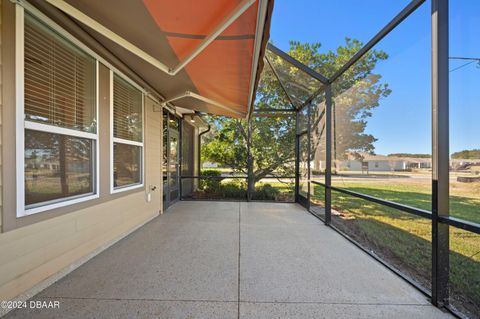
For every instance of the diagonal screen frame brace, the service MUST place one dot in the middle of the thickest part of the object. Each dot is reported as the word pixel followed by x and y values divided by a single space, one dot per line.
pixel 280 83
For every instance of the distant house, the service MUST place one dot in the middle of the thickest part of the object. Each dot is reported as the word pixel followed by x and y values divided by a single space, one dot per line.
pixel 209 165
pixel 382 163
pixel 463 164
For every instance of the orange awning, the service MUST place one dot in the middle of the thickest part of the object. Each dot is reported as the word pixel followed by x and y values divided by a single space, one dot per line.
pixel 224 73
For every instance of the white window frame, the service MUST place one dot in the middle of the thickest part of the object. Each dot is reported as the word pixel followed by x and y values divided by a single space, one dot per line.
pixel 113 140
pixel 22 124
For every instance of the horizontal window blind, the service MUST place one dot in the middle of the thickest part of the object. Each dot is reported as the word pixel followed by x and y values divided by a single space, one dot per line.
pixel 60 80
pixel 127 111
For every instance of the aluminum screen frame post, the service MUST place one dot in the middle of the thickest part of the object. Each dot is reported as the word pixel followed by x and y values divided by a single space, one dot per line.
pixel 309 151
pixel 200 148
pixel 440 152
pixel 297 158
pixel 250 183
pixel 180 156
pixel 328 151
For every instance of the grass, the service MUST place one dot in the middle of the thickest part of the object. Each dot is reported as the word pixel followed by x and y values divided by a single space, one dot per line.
pixel 464 197
pixel 286 190
pixel 48 187
pixel 404 239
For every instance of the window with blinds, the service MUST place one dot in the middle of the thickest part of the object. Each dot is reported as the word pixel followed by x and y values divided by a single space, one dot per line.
pixel 60 87
pixel 127 139
pixel 60 136
pixel 127 110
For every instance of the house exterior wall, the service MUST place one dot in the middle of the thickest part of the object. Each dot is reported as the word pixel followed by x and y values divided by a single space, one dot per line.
pixel 374 165
pixel 382 166
pixel 350 165
pixel 38 249
pixel 1 108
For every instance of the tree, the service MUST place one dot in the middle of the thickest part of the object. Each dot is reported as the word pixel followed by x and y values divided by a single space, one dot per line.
pixel 467 154
pixel 272 147
pixel 226 143
pixel 273 137
pixel 60 153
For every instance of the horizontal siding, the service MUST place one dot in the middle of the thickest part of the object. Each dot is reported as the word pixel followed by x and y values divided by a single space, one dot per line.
pixel 69 237
pixel 33 253
pixel 153 150
pixel 38 253
pixel 25 281
pixel 1 109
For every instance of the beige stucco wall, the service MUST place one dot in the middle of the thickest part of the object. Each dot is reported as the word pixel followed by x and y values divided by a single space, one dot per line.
pixel 32 255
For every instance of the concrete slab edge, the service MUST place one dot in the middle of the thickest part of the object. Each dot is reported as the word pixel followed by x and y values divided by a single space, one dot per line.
pixel 65 271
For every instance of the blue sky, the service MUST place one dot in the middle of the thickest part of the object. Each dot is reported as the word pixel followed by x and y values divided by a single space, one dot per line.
pixel 402 122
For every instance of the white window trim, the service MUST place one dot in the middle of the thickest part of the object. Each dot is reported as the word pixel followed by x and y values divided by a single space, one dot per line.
pixel 113 140
pixel 58 130
pixel 22 124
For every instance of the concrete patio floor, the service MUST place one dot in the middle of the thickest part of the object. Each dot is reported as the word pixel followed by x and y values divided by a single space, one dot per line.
pixel 233 260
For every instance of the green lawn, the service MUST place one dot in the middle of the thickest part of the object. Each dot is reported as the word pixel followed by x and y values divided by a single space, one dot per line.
pixel 285 192
pixel 464 197
pixel 48 187
pixel 404 239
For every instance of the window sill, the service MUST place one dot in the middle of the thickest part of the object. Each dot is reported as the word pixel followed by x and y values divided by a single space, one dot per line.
pixel 47 207
pixel 126 188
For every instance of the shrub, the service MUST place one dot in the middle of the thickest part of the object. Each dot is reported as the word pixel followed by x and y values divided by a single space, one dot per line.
pixel 234 190
pixel 266 192
pixel 210 172
pixel 210 185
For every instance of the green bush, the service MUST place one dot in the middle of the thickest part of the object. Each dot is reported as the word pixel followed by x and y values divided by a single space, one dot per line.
pixel 210 185
pixel 234 190
pixel 265 192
